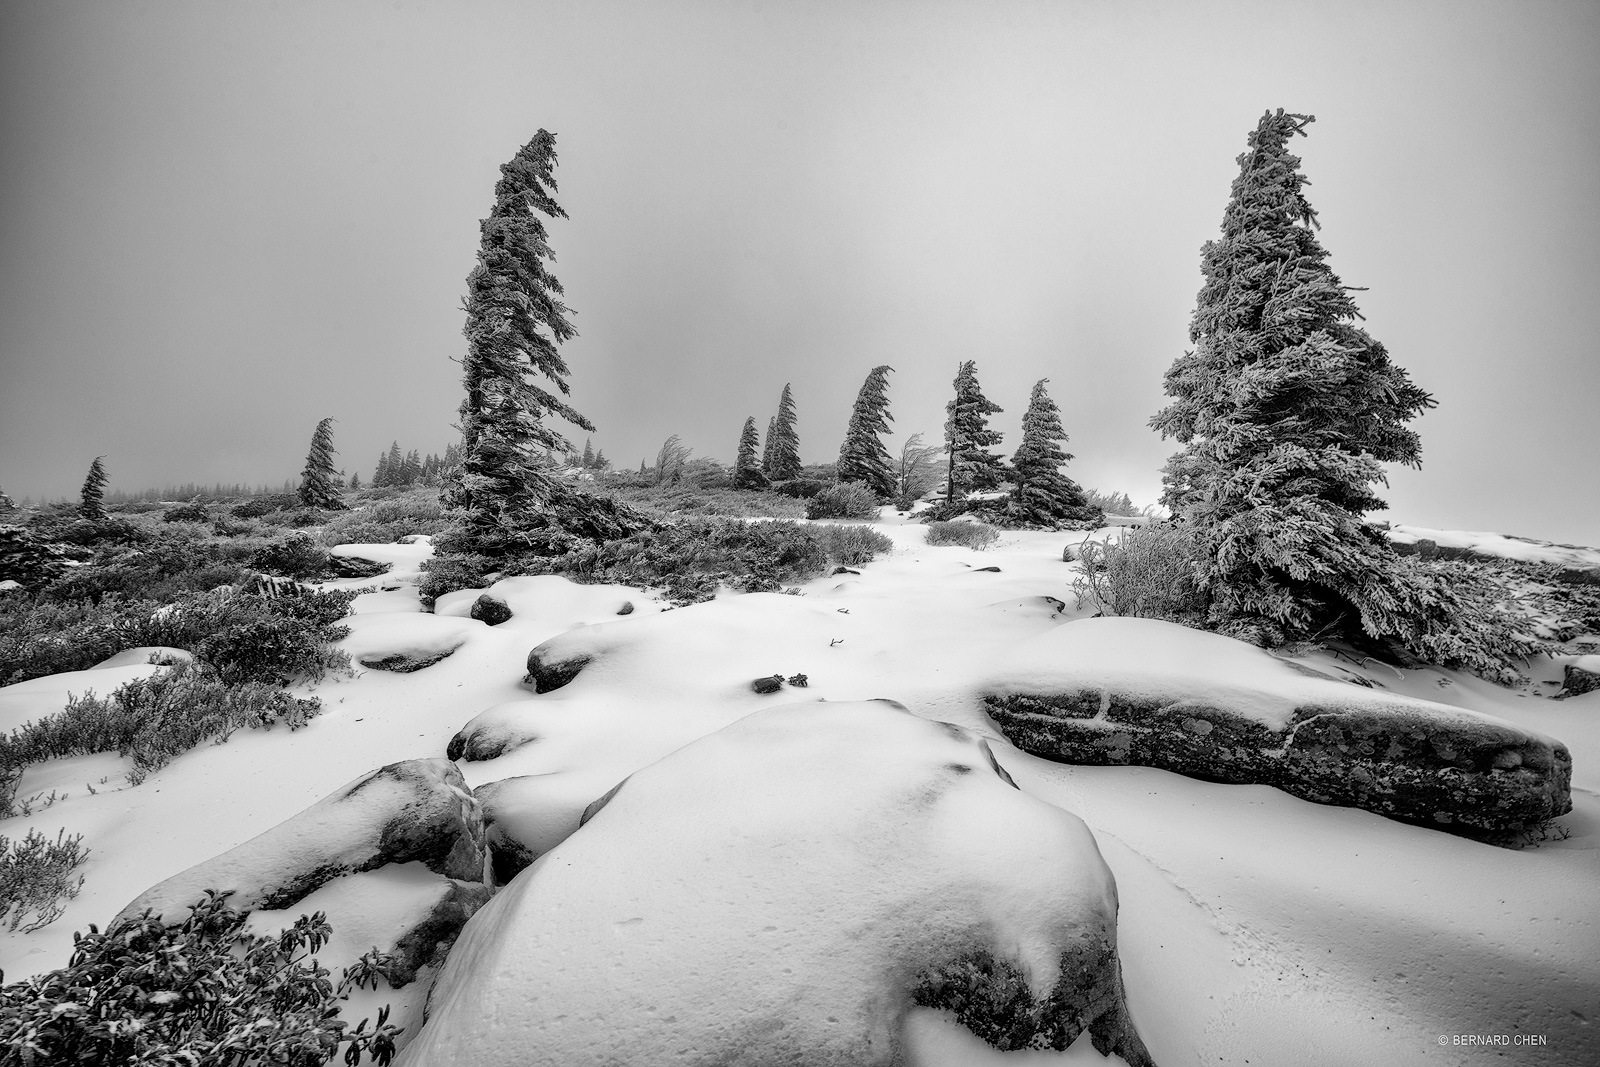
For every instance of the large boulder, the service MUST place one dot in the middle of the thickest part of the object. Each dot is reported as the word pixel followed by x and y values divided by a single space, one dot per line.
pixel 788 890
pixel 1140 691
pixel 417 810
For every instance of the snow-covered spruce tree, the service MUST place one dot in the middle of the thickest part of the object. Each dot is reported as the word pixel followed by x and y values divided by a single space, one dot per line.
pixel 1287 409
pixel 971 467
pixel 318 488
pixel 783 440
pixel 1041 494
pixel 766 448
pixel 862 457
pixel 92 503
pixel 746 471
pixel 515 323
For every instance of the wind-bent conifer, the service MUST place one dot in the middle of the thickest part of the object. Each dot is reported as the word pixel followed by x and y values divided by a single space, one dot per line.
pixel 1041 494
pixel 515 323
pixel 1286 409
pixel 318 488
pixel 746 471
pixel 783 441
pixel 92 503
pixel 862 457
pixel 766 448
pixel 972 468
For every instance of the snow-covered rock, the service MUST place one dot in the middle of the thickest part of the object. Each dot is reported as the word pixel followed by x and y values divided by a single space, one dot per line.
pixel 416 810
pixel 403 642
pixel 788 890
pixel 160 655
pixel 1151 693
pixel 1580 676
pixel 490 610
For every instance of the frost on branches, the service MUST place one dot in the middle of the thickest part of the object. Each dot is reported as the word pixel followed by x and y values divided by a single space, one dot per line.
pixel 1287 409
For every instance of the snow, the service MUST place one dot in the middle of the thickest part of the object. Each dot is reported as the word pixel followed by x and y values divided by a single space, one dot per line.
pixel 1252 925
pixel 1525 549
pixel 30 701
pixel 1147 660
pixel 853 842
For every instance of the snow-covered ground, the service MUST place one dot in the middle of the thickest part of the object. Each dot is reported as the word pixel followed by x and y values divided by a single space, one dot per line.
pixel 1525 549
pixel 1254 927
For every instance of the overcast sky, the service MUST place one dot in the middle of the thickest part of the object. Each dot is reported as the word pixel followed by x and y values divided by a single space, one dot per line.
pixel 221 222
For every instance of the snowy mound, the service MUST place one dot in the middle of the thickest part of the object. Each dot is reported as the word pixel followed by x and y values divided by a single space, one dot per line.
pixel 788 890
pixel 1473 543
pixel 1140 691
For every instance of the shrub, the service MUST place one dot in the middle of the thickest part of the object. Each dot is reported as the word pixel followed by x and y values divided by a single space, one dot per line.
pixel 296 556
pixel 1110 503
pixel 799 488
pixel 969 534
pixel 154 719
pixel 203 991
pixel 256 507
pixel 1149 573
pixel 851 545
pixel 28 560
pixel 36 876
pixel 684 499
pixel 386 520
pixel 244 636
pixel 843 500
pixel 173 562
pixel 193 511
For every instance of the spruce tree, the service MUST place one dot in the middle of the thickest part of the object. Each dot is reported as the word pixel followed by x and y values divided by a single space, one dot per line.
pixel 515 323
pixel 317 486
pixel 411 472
pixel 746 471
pixel 588 455
pixel 355 480
pixel 862 457
pixel 972 468
pixel 1286 409
pixel 92 504
pixel 1041 494
pixel 783 441
pixel 766 449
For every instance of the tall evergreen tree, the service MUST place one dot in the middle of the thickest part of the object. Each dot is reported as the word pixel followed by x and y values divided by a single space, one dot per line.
pixel 783 440
pixel 766 448
pixel 862 457
pixel 355 480
pixel 380 475
pixel 1042 495
pixel 92 503
pixel 395 466
pixel 972 468
pixel 318 488
pixel 588 454
pixel 1286 409
pixel 515 323
pixel 746 470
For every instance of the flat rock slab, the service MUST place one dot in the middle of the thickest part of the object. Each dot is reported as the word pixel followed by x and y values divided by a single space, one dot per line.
pixel 786 891
pixel 1148 693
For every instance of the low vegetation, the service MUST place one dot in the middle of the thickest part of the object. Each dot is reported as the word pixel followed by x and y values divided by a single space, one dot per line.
pixel 387 516
pixel 956 532
pixel 37 877
pixel 1146 573
pixel 843 500
pixel 202 991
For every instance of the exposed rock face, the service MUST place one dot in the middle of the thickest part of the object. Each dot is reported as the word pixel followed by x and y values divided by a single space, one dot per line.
pixel 787 890
pixel 1139 691
pixel 548 672
pixel 1581 677
pixel 418 810
pixel 491 610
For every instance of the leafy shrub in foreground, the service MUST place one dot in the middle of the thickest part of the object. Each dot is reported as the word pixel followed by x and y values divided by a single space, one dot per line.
pixel 1148 573
pixel 968 534
pixel 203 991
pixel 843 500
pixel 36 875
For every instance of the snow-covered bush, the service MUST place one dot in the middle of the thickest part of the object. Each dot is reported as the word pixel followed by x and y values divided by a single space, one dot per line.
pixel 28 560
pixel 151 720
pixel 37 876
pixel 296 556
pixel 386 521
pixel 850 544
pixel 968 534
pixel 1147 573
pixel 843 500
pixel 245 637
pixel 203 991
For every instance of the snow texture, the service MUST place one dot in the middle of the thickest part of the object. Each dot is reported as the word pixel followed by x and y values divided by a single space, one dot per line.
pixel 1525 549
pixel 784 891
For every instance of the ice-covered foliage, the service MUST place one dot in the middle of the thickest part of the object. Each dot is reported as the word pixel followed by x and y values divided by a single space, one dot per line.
pixel 1287 409
pixel 960 532
pixel 747 472
pixel 1041 494
pixel 843 500
pixel 37 877
pixel 862 457
pixel 967 439
pixel 1146 573
pixel 204 990
pixel 318 482
pixel 781 461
